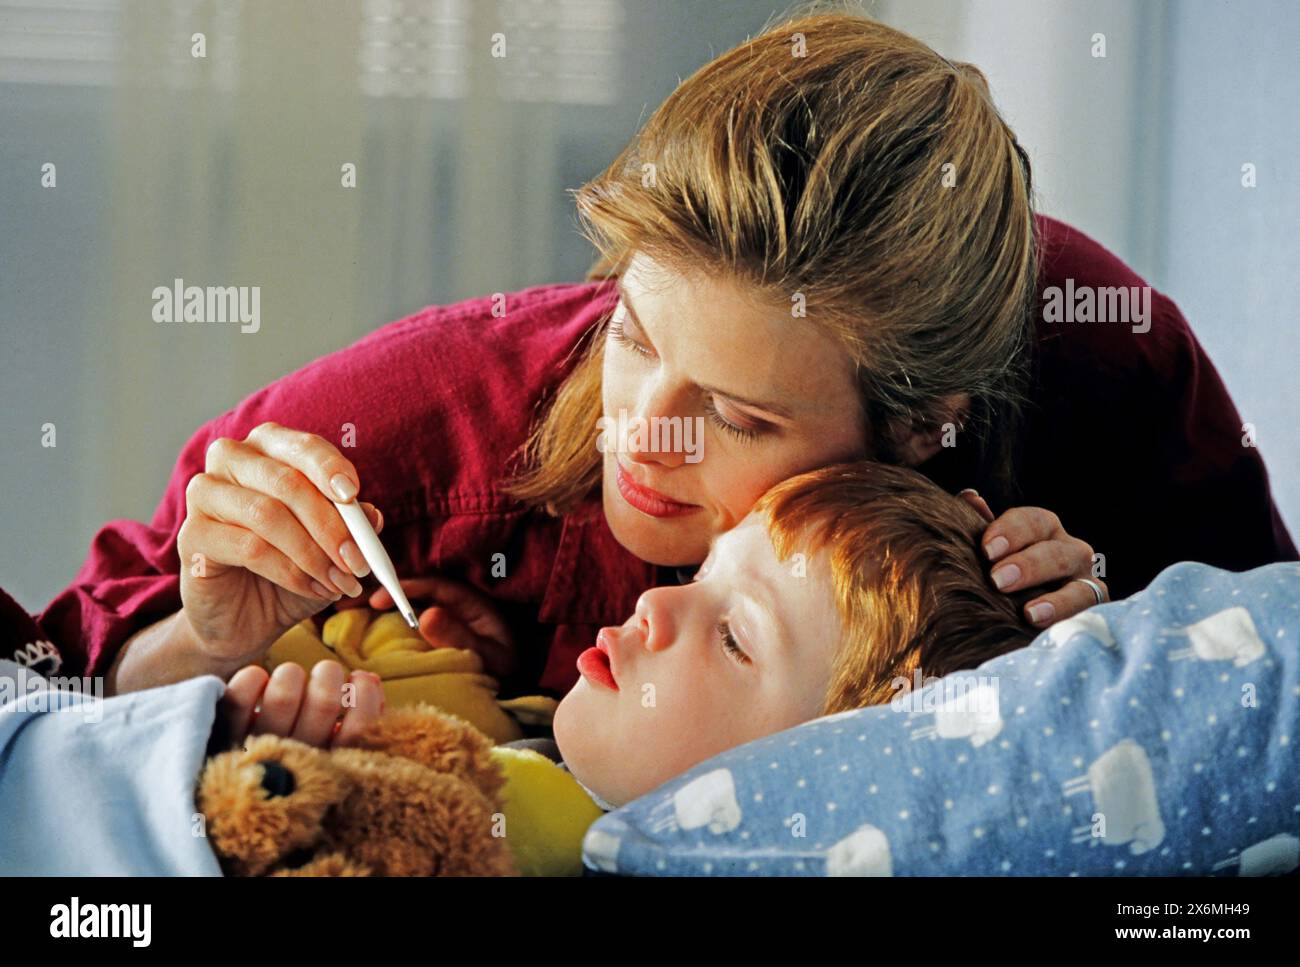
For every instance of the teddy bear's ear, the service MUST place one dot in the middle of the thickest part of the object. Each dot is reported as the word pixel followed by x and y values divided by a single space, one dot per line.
pixel 267 801
pixel 442 742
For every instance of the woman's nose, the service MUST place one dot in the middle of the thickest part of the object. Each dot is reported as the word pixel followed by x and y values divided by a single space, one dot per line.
pixel 656 431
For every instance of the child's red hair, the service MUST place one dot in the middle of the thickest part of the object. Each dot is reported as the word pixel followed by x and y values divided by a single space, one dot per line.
pixel 911 584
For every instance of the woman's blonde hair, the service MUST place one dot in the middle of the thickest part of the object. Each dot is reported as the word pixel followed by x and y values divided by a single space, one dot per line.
pixel 839 159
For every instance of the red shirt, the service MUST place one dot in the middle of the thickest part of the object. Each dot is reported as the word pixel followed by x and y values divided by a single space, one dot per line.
pixel 1132 441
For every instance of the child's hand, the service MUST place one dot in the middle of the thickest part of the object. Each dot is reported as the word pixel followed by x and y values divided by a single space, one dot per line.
pixel 460 617
pixel 302 708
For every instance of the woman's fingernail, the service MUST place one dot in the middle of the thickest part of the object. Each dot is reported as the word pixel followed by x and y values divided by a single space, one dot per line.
pixel 345 582
pixel 1005 576
pixel 969 490
pixel 343 487
pixel 1041 612
pixel 352 555
pixel 324 592
pixel 996 548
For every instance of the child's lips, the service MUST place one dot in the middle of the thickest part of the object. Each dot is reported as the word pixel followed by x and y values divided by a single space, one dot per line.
pixel 597 662
pixel 594 664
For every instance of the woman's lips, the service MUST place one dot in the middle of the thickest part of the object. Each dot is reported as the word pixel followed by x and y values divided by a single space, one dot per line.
pixel 650 501
pixel 595 664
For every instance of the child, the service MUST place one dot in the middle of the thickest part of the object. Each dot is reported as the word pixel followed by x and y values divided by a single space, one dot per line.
pixel 841 589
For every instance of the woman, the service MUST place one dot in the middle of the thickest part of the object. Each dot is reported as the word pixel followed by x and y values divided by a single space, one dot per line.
pixel 826 249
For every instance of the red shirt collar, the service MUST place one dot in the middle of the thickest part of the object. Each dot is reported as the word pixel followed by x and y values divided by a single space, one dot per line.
pixel 595 580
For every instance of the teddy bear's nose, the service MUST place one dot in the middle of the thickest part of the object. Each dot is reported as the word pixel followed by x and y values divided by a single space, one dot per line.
pixel 276 779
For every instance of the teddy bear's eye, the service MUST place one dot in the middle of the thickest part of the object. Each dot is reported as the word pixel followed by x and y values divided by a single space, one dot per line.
pixel 276 779
pixel 298 859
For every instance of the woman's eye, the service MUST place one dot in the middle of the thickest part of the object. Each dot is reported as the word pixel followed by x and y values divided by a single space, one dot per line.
pixel 722 423
pixel 620 336
pixel 729 643
pixel 618 332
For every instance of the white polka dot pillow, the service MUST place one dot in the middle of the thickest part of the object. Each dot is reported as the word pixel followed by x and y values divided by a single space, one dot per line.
pixel 1149 736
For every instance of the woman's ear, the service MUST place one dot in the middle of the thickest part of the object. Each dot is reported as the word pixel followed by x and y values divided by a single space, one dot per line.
pixel 921 442
pixel 920 446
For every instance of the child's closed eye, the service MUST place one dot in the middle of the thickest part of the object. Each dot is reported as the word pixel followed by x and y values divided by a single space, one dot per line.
pixel 729 644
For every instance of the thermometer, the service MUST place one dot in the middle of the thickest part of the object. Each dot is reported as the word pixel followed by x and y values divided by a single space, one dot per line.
pixel 376 556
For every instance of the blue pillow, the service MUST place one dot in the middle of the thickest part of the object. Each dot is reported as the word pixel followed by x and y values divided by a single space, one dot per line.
pixel 1151 736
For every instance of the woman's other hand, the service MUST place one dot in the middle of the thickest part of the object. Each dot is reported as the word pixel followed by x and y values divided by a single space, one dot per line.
pixel 327 708
pixel 1028 549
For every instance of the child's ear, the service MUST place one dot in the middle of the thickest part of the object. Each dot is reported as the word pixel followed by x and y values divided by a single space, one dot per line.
pixel 923 441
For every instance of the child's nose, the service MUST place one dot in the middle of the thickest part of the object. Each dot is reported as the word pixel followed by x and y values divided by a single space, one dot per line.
pixel 655 618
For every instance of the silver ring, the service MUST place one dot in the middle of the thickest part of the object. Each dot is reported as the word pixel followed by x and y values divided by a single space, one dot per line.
pixel 1098 593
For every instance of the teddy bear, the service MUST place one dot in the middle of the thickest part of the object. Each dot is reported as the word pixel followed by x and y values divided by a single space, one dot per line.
pixel 444 717
pixel 420 794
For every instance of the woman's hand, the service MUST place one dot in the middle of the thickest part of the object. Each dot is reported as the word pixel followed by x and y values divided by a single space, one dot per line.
pixel 1029 549
pixel 262 545
pixel 461 618
pixel 290 704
